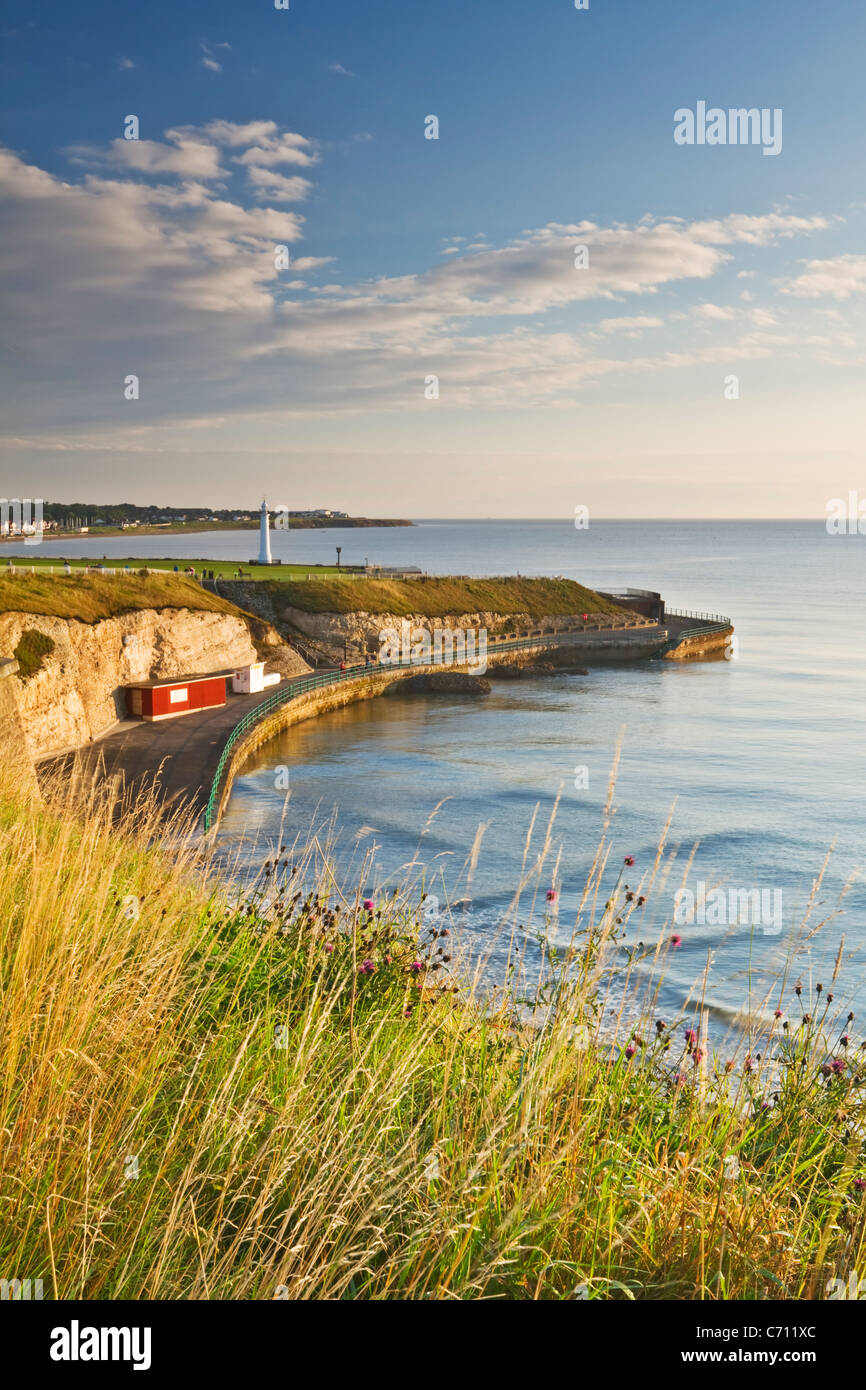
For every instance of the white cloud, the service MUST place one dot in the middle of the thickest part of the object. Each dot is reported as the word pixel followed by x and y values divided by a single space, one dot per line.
pixel 629 325
pixel 208 60
pixel 280 188
pixel 716 312
pixel 838 278
pixel 125 64
pixel 338 68
pixel 175 280
pixel 181 154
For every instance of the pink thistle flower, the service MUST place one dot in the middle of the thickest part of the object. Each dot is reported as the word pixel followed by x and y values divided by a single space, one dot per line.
pixel 691 1036
pixel 676 940
pixel 860 1184
pixel 329 946
pixel 551 895
pixel 778 1013
pixel 369 904
pixel 629 860
pixel 416 965
pixel 630 1051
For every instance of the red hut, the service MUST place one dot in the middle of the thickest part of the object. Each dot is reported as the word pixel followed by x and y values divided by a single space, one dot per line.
pixel 166 699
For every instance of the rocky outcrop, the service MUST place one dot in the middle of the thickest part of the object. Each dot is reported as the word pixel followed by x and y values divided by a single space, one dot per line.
pixel 78 692
pixel 444 683
pixel 352 636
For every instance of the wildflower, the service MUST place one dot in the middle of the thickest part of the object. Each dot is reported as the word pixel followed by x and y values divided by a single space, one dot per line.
pixel 630 1051
pixel 366 967
pixel 747 1065
pixel 416 965
pixel 778 1013
pixel 798 990
pixel 679 1078
pixel 676 940
pixel 369 904
pixel 551 895
pixel 837 1066
pixel 818 988
pixel 629 860
pixel 444 932
pixel 697 1056
pixel 825 1069
pixel 660 1027
pixel 829 999
pixel 691 1036
pixel 807 1018
pixel 860 1184
pixel 844 1040
pixel 407 1013
pixel 641 901
pixel 329 946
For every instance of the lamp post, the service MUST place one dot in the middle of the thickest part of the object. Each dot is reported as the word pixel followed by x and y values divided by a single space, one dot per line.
pixel 339 550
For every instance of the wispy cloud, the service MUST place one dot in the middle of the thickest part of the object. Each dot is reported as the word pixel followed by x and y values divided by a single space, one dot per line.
pixel 208 60
pixel 338 68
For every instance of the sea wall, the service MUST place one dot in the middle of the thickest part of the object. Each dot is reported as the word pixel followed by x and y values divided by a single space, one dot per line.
pixel 702 645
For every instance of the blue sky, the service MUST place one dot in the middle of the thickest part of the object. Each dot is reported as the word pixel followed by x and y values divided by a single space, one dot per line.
pixel 413 257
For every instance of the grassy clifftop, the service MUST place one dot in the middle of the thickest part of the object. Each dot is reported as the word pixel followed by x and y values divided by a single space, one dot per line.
pixel 295 1096
pixel 90 597
pixel 443 597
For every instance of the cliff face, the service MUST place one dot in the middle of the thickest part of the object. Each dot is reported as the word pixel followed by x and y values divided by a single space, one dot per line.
pixel 78 691
pixel 356 633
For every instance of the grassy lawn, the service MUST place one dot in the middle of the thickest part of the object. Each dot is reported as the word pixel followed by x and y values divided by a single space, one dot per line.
pixel 440 598
pixel 223 569
pixel 91 597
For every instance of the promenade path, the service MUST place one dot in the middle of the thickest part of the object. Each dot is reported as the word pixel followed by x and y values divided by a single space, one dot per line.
pixel 180 758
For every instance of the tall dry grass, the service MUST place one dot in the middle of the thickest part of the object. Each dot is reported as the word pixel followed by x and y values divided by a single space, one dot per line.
pixel 288 1095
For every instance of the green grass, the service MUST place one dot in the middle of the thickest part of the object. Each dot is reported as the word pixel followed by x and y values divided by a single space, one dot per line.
pixel 33 647
pixel 202 1098
pixel 444 597
pixel 223 569
pixel 90 598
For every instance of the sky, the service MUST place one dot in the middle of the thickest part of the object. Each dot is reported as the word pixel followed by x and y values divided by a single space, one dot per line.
pixel 428 341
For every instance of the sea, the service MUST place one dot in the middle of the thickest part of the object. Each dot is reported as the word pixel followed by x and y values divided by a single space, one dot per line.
pixel 739 783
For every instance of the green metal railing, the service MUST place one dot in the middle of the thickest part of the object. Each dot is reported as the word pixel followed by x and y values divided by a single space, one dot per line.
pixel 304 684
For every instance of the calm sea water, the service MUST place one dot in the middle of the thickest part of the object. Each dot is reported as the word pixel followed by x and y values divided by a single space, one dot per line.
pixel 762 758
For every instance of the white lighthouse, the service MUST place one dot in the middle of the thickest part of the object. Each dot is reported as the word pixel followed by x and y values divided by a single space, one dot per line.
pixel 265 537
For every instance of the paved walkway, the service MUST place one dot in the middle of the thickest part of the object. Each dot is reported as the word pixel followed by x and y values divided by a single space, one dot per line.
pixel 179 757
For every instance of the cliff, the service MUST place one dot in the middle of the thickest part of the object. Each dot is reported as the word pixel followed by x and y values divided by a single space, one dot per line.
pixel 351 629
pixel 74 692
